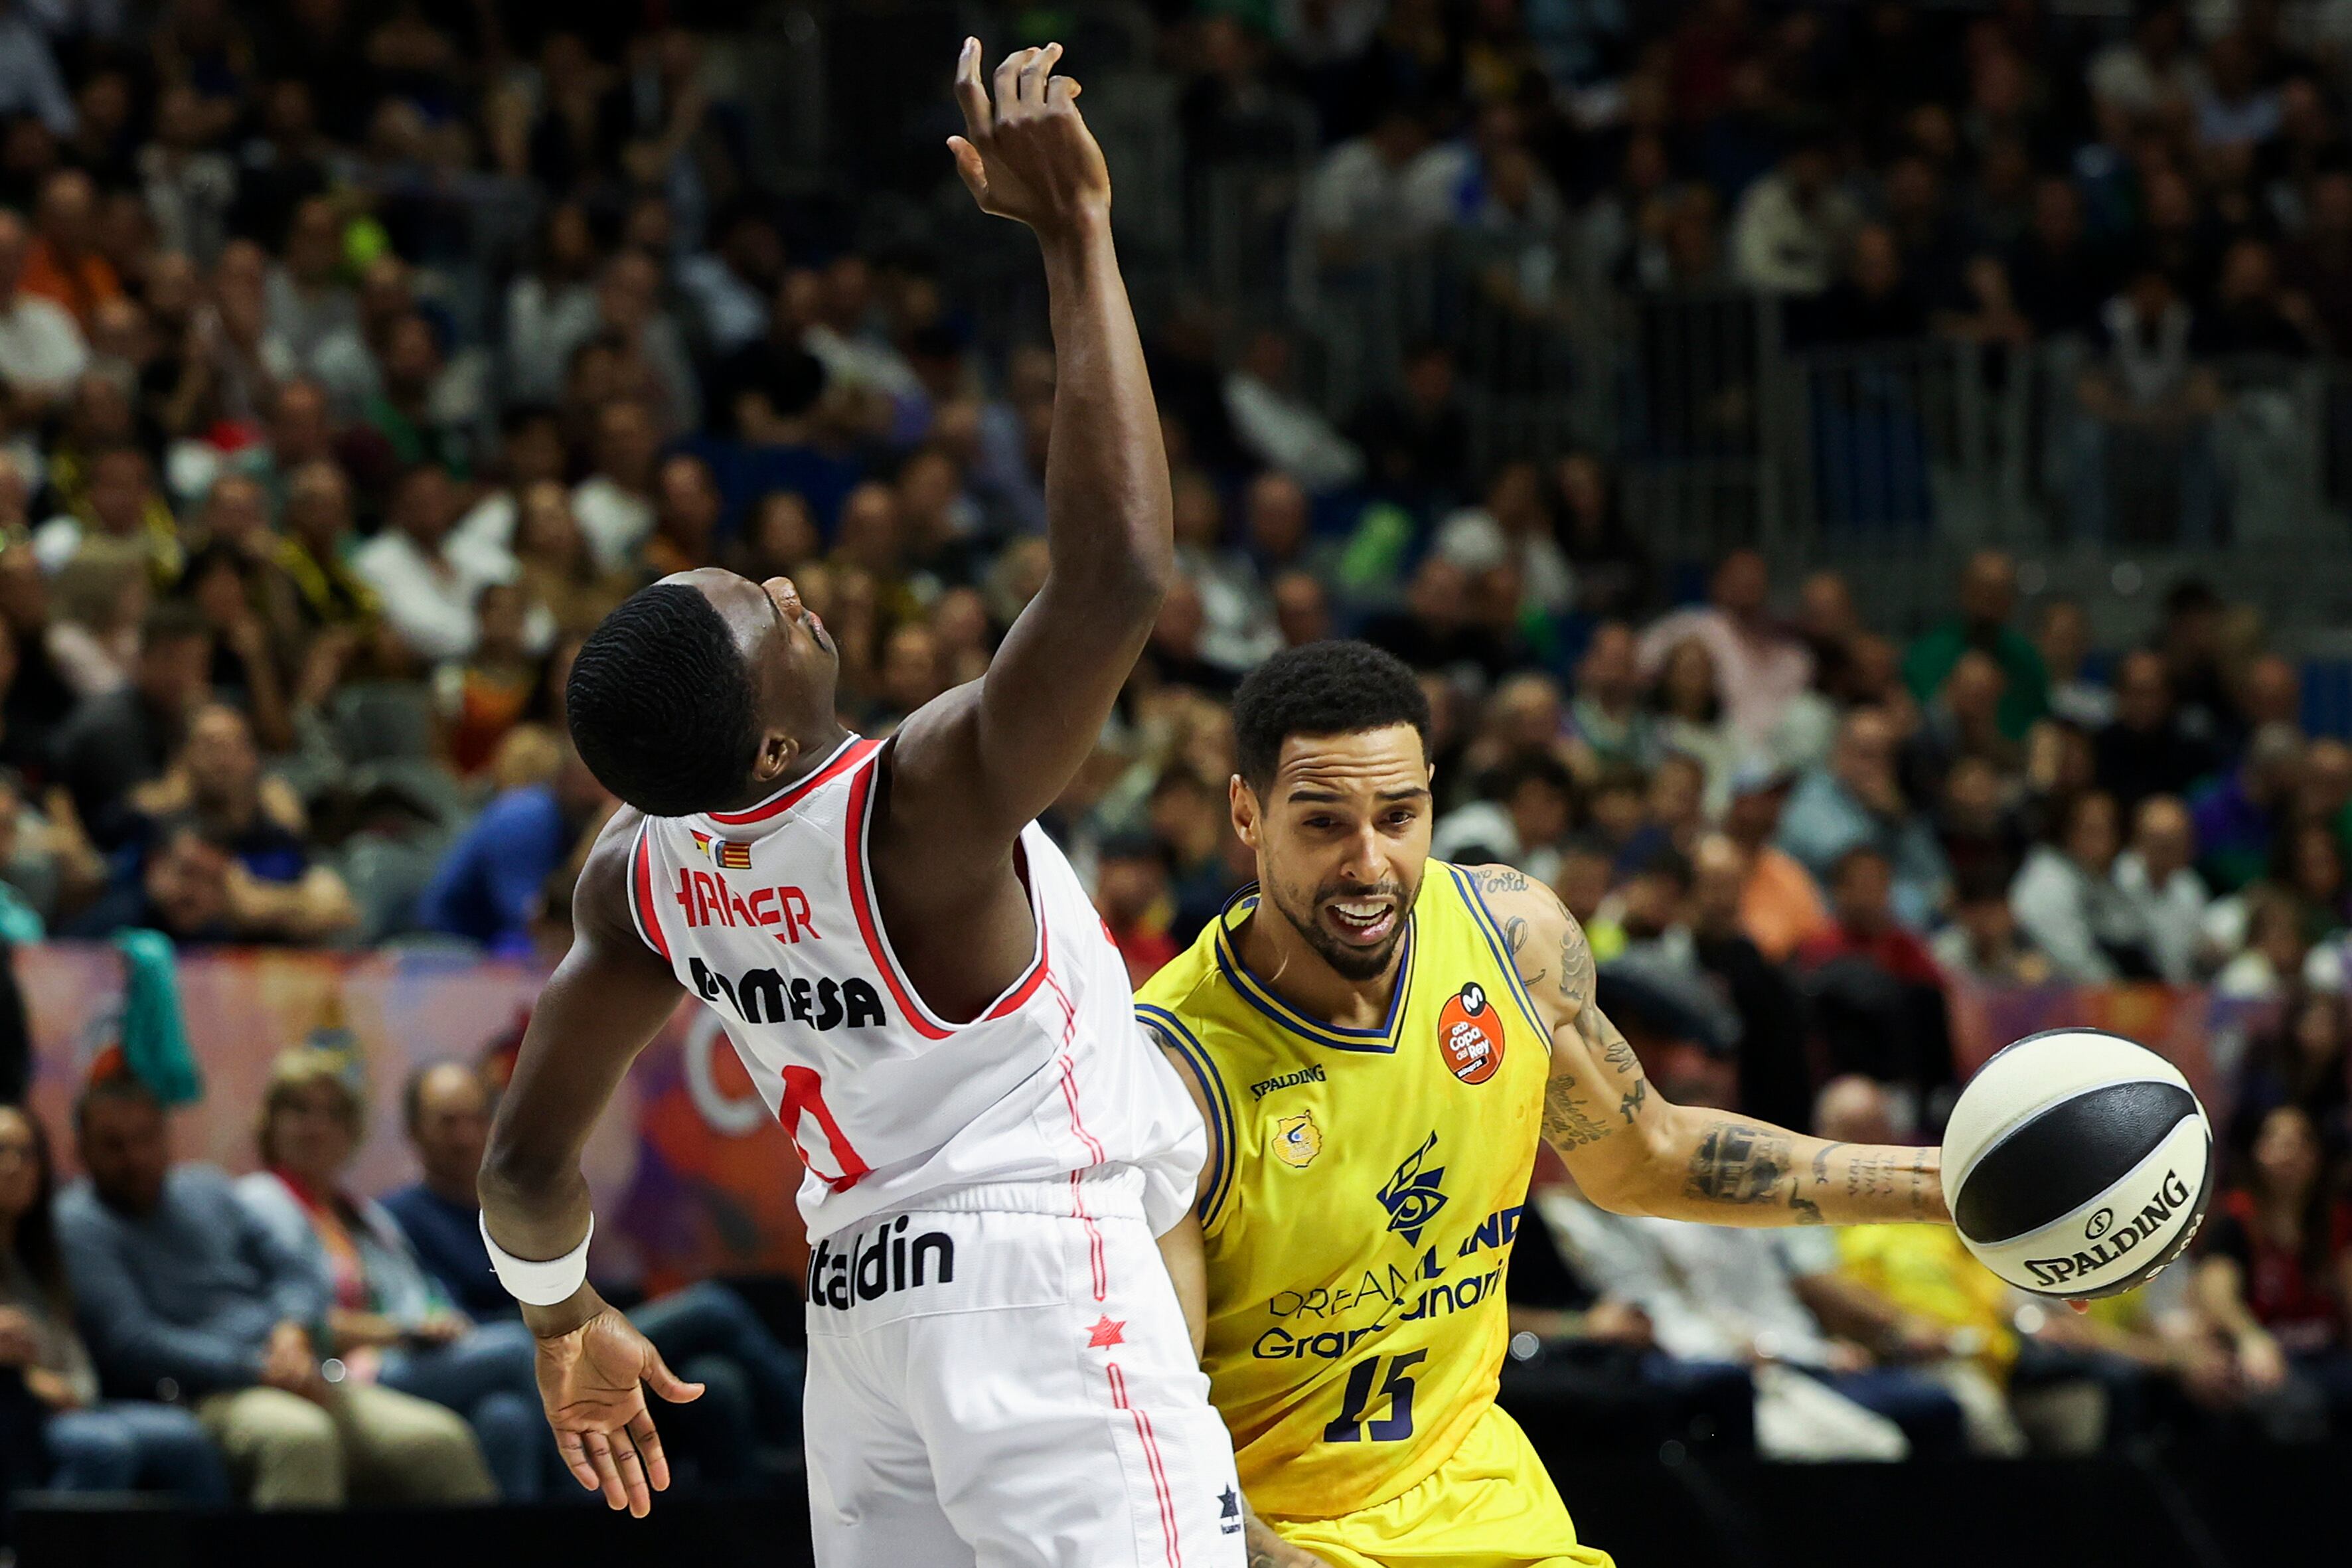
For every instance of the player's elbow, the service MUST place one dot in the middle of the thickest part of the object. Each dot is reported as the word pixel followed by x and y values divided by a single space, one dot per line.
pixel 516 1175
pixel 1633 1173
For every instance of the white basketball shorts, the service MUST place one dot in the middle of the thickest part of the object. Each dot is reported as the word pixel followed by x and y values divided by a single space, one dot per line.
pixel 1001 1378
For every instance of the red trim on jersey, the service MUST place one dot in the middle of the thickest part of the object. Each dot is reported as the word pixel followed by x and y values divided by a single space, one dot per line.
pixel 1094 1239
pixel 641 884
pixel 1158 1471
pixel 913 1012
pixel 878 947
pixel 850 752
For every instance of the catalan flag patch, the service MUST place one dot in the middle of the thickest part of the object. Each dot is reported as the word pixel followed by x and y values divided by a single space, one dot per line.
pixel 701 842
pixel 734 855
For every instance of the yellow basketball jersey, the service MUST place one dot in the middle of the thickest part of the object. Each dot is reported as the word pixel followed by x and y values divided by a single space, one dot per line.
pixel 1364 1188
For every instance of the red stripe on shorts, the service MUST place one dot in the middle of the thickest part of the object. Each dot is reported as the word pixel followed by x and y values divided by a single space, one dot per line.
pixel 1158 1471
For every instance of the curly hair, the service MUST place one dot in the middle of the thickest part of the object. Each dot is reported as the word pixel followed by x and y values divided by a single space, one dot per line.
pixel 661 705
pixel 1339 687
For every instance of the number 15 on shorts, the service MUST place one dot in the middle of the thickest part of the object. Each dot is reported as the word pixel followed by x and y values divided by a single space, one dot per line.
pixel 1395 1391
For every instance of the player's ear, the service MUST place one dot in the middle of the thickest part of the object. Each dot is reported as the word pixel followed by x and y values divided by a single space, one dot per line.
pixel 1242 801
pixel 778 752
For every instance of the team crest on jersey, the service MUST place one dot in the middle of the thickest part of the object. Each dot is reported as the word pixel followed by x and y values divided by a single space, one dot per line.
pixel 1413 1196
pixel 1470 1034
pixel 1296 1140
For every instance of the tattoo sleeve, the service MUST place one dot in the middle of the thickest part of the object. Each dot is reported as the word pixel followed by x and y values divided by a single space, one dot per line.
pixel 1744 1173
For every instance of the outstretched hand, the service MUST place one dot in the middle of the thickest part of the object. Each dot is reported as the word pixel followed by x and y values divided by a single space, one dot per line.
pixel 1028 154
pixel 593 1381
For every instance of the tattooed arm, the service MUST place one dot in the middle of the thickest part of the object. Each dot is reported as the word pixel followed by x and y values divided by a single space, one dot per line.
pixel 1634 1153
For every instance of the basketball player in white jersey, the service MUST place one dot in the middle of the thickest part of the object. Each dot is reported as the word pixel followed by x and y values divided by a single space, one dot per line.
pixel 998 1371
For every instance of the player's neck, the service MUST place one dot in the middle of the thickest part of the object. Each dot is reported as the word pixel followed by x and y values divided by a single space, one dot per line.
pixel 1273 950
pixel 816 750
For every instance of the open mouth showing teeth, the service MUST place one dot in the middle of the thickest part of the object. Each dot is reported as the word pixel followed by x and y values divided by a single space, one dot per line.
pixel 1364 919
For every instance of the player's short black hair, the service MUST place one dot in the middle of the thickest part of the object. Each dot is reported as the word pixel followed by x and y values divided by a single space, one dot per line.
pixel 661 706
pixel 1338 687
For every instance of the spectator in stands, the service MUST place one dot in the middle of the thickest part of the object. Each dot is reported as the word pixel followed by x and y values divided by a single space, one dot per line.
pixel 1856 800
pixel 2147 751
pixel 751 1385
pixel 99 600
pixel 2068 900
pixel 1131 892
pixel 387 1320
pixel 65 264
pixel 179 1288
pixel 2274 1276
pixel 42 352
pixel 115 743
pixel 1759 667
pixel 1416 439
pixel 1915 1293
pixel 616 503
pixel 2301 1060
pixel 1982 940
pixel 552 307
pixel 1690 721
pixel 2238 817
pixel 425 581
pixel 1877 995
pixel 315 587
pixel 1793 224
pixel 1610 725
pixel 1775 1068
pixel 2157 875
pixel 2064 642
pixel 1281 429
pixel 276 891
pixel 493 886
pixel 1779 903
pixel 1988 605
pixel 2149 404
pixel 63 1433
pixel 29 80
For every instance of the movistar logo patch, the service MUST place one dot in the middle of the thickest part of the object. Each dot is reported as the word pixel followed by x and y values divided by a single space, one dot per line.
pixel 1412 1195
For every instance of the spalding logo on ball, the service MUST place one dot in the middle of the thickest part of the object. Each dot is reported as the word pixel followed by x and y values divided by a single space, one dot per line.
pixel 2077 1163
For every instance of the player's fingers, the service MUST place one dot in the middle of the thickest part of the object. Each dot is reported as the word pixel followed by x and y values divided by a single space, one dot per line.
pixel 608 1474
pixel 668 1384
pixel 649 1446
pixel 575 1460
pixel 968 164
pixel 1037 73
pixel 1063 91
pixel 631 1465
pixel 1008 81
pixel 970 93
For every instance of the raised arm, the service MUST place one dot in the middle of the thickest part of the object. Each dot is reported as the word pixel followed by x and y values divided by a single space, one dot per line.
pixel 608 997
pixel 1634 1153
pixel 970 769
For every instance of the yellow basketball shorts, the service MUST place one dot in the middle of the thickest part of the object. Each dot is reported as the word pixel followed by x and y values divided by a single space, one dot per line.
pixel 1491 1505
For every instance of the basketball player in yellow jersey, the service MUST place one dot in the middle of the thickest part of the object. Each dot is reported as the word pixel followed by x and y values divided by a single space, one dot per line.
pixel 1377 1041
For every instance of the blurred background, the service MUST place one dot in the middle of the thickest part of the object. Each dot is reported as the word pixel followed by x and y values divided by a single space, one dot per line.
pixel 1865 486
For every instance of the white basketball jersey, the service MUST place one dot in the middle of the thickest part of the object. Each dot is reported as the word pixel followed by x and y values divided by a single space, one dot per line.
pixel 769 915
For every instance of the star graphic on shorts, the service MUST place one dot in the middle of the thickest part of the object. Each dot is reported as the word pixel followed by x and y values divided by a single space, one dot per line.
pixel 1229 1504
pixel 1106 1333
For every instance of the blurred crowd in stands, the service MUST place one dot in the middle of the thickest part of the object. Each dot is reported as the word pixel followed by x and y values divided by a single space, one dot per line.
pixel 357 355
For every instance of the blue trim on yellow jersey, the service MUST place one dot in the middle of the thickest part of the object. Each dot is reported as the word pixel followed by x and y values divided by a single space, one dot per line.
pixel 1381 1041
pixel 1501 947
pixel 1163 1023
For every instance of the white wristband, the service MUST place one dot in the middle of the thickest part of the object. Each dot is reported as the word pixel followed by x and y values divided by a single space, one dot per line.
pixel 546 1284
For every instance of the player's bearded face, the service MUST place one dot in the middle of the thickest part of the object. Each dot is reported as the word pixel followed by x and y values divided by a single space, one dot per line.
pixel 1353 926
